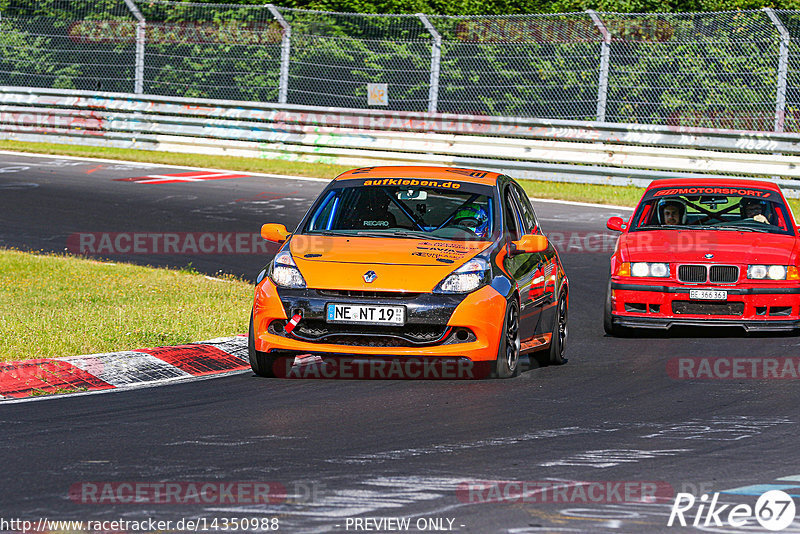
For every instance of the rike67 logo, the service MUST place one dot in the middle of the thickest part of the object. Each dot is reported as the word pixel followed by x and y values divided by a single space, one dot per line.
pixel 774 510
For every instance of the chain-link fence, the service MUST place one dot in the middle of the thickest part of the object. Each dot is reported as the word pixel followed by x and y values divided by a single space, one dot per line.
pixel 738 69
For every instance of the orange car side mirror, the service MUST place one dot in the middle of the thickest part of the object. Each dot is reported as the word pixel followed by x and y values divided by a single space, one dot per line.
pixel 616 224
pixel 530 243
pixel 275 232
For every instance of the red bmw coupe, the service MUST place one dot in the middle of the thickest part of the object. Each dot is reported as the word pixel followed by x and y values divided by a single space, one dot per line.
pixel 716 252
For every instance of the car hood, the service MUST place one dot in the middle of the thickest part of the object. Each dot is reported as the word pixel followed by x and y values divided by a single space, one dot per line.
pixel 691 246
pixel 409 265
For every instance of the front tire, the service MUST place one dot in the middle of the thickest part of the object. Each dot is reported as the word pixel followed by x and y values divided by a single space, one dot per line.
pixel 507 364
pixel 261 363
pixel 608 320
pixel 558 340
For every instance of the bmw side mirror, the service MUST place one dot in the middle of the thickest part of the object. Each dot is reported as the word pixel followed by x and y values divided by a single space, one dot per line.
pixel 616 224
pixel 529 244
pixel 275 232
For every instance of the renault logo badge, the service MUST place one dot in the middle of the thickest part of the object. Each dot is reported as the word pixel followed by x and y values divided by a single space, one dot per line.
pixel 709 256
pixel 370 276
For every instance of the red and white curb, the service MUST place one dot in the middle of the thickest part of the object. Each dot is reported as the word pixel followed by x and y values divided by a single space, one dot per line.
pixel 114 370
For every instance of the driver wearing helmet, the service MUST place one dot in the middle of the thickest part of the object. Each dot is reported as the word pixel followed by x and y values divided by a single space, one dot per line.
pixel 751 208
pixel 474 217
pixel 671 212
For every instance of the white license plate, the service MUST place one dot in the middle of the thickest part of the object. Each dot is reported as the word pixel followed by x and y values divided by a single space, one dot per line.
pixel 707 294
pixel 365 314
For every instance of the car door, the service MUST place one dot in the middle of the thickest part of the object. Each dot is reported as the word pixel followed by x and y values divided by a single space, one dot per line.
pixel 525 268
pixel 543 287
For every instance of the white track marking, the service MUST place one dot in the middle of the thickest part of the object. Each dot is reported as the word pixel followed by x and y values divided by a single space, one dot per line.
pixel 268 175
pixel 128 367
pixel 160 165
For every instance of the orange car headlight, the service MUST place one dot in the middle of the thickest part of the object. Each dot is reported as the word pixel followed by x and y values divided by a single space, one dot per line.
pixel 285 273
pixel 466 278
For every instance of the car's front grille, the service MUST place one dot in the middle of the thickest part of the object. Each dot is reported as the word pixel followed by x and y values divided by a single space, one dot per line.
pixel 319 331
pixel 392 295
pixel 680 307
pixel 692 273
pixel 724 274
pixel 365 341
pixel 461 335
pixel 418 332
pixel 718 274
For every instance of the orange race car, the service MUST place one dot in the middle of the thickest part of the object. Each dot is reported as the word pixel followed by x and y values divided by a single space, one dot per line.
pixel 415 264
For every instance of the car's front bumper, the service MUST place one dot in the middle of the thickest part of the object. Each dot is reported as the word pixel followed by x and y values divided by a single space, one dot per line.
pixel 754 308
pixel 443 326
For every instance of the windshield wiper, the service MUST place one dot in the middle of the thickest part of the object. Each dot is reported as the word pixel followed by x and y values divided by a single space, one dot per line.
pixel 738 228
pixel 329 232
pixel 668 227
pixel 702 227
pixel 398 233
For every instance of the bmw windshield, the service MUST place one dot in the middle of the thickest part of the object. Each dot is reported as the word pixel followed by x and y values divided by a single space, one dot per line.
pixel 460 211
pixel 716 208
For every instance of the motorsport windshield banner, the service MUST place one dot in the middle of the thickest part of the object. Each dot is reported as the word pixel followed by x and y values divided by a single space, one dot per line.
pixel 710 190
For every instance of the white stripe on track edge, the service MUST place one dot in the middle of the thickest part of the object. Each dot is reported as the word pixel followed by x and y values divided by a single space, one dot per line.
pixel 126 367
pixel 267 175
pixel 165 165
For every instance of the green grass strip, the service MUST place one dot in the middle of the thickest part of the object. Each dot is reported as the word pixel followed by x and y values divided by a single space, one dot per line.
pixel 53 305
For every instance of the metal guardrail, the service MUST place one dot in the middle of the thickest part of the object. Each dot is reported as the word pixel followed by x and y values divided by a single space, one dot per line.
pixel 542 149
pixel 727 69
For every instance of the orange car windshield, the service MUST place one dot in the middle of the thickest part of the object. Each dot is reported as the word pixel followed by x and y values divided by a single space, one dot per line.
pixel 402 212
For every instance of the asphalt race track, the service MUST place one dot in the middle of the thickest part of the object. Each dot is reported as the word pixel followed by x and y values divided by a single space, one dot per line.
pixel 613 417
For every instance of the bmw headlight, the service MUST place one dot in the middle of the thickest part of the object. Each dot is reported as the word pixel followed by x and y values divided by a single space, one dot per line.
pixel 285 272
pixel 766 272
pixel 655 270
pixel 466 278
